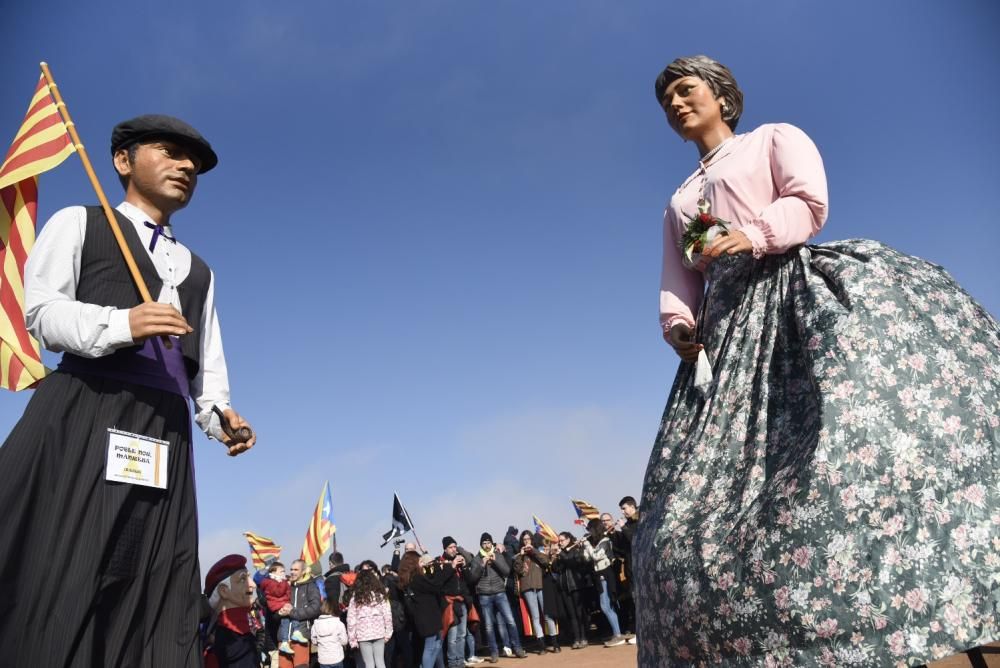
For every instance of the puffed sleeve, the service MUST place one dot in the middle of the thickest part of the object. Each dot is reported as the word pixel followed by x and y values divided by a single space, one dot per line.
pixel 802 204
pixel 681 289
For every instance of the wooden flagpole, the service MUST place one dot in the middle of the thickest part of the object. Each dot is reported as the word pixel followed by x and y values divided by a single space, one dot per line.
pixel 108 211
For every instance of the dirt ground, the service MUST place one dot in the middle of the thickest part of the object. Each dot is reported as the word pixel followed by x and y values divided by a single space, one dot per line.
pixel 594 656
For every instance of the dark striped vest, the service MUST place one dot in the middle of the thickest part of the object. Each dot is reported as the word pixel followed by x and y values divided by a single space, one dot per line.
pixel 105 280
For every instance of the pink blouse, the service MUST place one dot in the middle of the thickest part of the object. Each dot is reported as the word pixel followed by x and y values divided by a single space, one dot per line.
pixel 769 183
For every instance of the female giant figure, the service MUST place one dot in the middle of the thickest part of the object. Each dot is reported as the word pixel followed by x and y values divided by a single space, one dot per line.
pixel 831 497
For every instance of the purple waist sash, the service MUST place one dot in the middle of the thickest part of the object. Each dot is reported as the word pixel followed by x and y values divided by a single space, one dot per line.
pixel 149 365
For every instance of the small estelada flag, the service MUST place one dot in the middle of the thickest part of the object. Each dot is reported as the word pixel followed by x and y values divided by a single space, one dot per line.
pixel 40 144
pixel 262 550
pixel 321 529
pixel 547 532
pixel 584 512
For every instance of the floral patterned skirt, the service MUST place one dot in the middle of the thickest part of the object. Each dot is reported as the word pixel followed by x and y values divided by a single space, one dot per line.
pixel 834 498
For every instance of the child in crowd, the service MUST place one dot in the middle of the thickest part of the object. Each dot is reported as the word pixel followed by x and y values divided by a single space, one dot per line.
pixel 369 618
pixel 329 636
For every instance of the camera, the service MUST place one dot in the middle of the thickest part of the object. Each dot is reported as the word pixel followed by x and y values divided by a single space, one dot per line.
pixel 398 541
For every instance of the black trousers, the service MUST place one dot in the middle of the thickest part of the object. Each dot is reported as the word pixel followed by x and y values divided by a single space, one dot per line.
pixel 96 573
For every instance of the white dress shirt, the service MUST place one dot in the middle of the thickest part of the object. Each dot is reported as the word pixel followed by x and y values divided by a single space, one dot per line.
pixel 62 324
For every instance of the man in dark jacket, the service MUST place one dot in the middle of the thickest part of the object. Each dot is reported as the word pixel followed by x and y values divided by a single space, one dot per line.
pixel 332 582
pixel 305 594
pixel 458 595
pixel 492 568
pixel 511 548
pixel 623 547
pixel 510 543
pixel 304 607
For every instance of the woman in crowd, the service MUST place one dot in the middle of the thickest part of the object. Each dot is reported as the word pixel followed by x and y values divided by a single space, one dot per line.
pixel 422 580
pixel 369 617
pixel 823 488
pixel 572 570
pixel 598 551
pixel 529 565
pixel 555 611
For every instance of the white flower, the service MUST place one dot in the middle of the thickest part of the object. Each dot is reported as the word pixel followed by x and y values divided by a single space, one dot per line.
pixel 800 595
pixel 904 447
pixel 953 588
pixel 917 641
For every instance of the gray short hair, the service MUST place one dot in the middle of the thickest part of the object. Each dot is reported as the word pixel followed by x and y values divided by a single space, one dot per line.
pixel 215 598
pixel 715 74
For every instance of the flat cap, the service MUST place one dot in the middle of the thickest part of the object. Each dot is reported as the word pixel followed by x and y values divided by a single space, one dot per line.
pixel 222 570
pixel 151 126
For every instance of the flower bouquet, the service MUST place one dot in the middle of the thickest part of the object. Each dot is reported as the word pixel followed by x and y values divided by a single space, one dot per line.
pixel 699 233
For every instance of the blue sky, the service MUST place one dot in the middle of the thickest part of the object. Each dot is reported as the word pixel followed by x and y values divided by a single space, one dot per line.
pixel 436 226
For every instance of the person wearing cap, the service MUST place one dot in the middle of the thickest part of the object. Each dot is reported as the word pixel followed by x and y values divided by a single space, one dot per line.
pixel 231 591
pixel 459 611
pixel 130 546
pixel 493 570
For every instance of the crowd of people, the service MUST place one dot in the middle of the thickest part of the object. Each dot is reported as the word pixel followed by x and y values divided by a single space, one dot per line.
pixel 527 592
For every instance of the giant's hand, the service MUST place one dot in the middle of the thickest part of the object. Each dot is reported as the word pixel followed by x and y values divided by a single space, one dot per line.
pixel 730 244
pixel 235 422
pixel 155 319
pixel 681 337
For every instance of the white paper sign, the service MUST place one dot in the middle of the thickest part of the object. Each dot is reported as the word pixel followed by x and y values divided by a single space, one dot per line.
pixel 135 459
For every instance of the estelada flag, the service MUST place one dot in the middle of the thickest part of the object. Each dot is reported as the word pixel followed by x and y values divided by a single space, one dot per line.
pixel 584 512
pixel 262 550
pixel 321 529
pixel 547 532
pixel 41 144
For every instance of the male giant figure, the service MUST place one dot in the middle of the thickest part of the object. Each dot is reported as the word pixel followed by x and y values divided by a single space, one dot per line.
pixel 130 550
pixel 232 637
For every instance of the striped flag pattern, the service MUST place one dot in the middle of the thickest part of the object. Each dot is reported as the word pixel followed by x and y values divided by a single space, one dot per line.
pixel 321 529
pixel 548 533
pixel 262 549
pixel 584 512
pixel 41 144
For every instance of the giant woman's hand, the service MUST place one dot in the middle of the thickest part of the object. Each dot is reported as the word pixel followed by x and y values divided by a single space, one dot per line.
pixel 681 337
pixel 730 244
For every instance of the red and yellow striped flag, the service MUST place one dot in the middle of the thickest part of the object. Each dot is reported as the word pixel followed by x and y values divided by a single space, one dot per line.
pixel 547 532
pixel 261 549
pixel 42 143
pixel 321 529
pixel 584 512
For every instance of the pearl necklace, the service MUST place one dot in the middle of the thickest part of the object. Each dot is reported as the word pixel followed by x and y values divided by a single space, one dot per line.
pixel 704 206
pixel 711 154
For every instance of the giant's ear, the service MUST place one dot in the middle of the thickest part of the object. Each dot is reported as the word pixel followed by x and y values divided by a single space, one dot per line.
pixel 121 162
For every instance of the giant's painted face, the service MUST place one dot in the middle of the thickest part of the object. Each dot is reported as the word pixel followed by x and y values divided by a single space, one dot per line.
pixel 239 591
